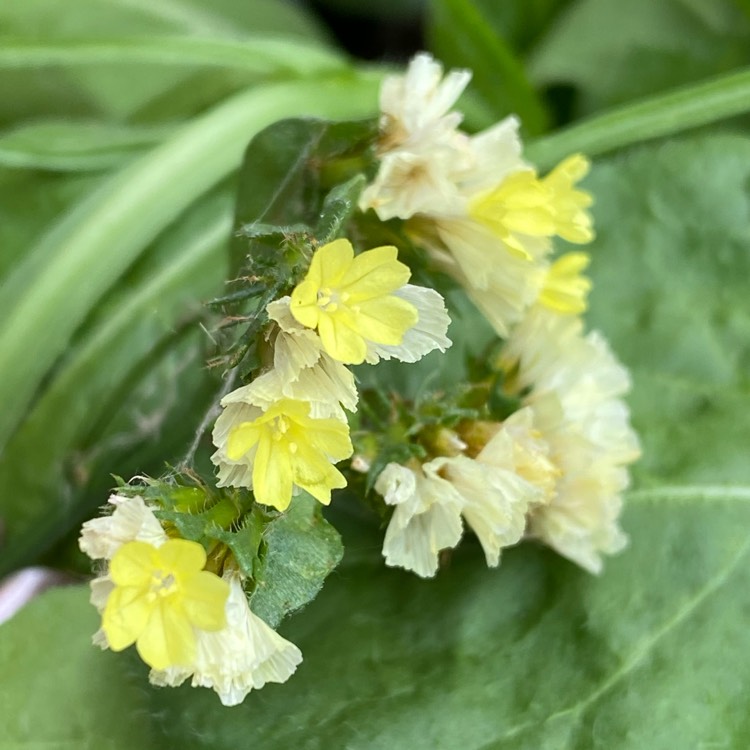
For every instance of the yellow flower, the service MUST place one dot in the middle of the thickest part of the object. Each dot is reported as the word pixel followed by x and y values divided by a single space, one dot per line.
pixel 161 594
pixel 349 300
pixel 291 449
pixel 525 205
pixel 565 287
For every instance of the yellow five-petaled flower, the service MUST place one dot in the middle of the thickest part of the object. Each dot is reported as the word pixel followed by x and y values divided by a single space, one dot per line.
pixel 292 448
pixel 161 595
pixel 349 300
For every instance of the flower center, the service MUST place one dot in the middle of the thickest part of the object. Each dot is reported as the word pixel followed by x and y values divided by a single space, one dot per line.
pixel 162 584
pixel 280 431
pixel 329 299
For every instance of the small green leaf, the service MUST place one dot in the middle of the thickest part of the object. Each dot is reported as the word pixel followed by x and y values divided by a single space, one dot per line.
pixel 302 549
pixel 338 207
pixel 281 182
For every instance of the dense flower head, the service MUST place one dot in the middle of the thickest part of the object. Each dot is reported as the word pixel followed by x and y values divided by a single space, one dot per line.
pixel 287 448
pixel 483 214
pixel 160 595
pixel 574 385
pixel 350 300
pixel 493 490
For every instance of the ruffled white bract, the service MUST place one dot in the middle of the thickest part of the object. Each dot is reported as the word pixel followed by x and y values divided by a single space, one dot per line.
pixel 575 388
pixel 242 657
pixel 427 335
pixel 426 519
pixel 131 519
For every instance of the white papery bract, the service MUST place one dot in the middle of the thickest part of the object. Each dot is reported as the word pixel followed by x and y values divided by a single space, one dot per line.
pixel 243 656
pixel 575 387
pixel 426 519
pixel 495 501
pixel 416 106
pixel 233 473
pixel 428 334
pixel 130 520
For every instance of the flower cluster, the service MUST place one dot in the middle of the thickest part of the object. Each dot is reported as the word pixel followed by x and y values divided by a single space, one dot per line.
pixel 535 444
pixel 184 620
pixel 484 214
pixel 284 431
pixel 555 468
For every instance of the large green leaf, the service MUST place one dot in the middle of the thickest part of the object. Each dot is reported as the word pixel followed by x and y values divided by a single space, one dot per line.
pixel 613 52
pixel 670 270
pixel 535 655
pixel 86 695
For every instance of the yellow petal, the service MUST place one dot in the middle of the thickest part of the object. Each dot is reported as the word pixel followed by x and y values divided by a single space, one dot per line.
pixel 242 440
pixel 125 616
pixel 272 473
pixel 204 598
pixel 329 436
pixel 331 262
pixel 133 564
pixel 304 303
pixel 168 640
pixel 181 556
pixel 374 273
pixel 340 341
pixel 385 320
pixel 315 474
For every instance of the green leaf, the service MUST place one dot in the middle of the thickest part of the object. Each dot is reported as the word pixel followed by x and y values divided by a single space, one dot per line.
pixel 260 56
pixel 669 114
pixel 614 52
pixel 47 703
pixel 302 549
pixel 536 654
pixel 76 146
pixel 281 180
pixel 29 201
pixel 338 207
pixel 670 276
pixel 461 37
pixel 72 440
pixel 119 90
pixel 522 22
pixel 44 300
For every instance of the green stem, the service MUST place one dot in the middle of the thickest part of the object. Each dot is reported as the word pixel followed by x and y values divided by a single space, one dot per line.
pixel 667 114
pixel 54 288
